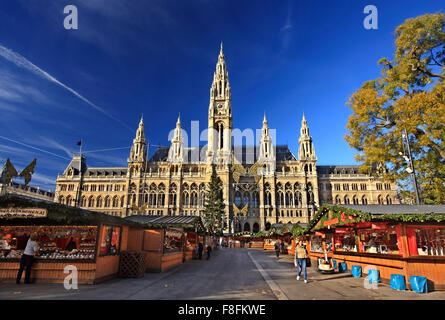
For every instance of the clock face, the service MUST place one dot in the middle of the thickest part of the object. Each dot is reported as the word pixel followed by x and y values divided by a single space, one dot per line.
pixel 220 106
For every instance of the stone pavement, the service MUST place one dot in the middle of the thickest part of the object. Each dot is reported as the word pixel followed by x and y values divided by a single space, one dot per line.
pixel 337 286
pixel 230 274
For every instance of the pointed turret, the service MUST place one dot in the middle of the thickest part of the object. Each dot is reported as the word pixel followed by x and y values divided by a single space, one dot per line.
pixel 306 151
pixel 138 151
pixel 267 149
pixel 176 151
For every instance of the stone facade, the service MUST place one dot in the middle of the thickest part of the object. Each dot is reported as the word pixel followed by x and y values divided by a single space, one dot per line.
pixel 262 185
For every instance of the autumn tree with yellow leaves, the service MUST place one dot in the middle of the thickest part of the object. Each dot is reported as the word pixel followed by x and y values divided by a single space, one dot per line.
pixel 409 95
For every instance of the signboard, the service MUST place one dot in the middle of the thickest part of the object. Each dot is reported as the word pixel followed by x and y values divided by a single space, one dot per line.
pixel 23 213
pixel 330 222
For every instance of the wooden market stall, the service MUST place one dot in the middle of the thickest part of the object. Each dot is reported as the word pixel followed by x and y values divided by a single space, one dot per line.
pixel 167 240
pixel 90 241
pixel 394 239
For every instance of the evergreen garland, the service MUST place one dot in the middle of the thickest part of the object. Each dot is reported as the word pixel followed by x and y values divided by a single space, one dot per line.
pixel 59 214
pixel 328 212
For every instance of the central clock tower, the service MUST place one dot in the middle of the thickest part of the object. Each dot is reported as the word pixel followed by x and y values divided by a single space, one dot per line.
pixel 220 116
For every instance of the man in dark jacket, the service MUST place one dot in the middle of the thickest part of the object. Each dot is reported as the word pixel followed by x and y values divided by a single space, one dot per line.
pixel 200 248
pixel 277 249
pixel 209 249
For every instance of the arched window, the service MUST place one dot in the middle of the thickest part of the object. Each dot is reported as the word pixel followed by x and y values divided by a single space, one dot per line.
pixel 202 198
pixel 123 201
pixel 238 199
pixel 388 200
pixel 83 201
pixel 186 198
pixel 337 199
pixel 161 195
pixel 107 202
pixel 246 199
pixel 247 226
pixel 380 199
pixel 255 200
pixel 61 200
pixel 68 201
pixel 99 202
pixel 354 200
pixel 91 201
pixel 364 200
pixel 346 200
pixel 173 195
pixel 115 202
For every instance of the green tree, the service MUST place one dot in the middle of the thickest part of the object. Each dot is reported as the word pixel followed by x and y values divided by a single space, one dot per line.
pixel 409 95
pixel 213 214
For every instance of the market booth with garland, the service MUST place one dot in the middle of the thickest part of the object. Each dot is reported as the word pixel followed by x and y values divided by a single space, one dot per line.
pixel 394 239
pixel 167 240
pixel 90 241
pixel 246 239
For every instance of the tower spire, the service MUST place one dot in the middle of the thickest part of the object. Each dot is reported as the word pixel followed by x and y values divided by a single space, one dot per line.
pixel 306 150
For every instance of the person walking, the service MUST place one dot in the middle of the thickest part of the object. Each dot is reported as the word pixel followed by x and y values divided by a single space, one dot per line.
pixel 300 260
pixel 28 258
pixel 277 249
pixel 282 247
pixel 209 249
pixel 200 248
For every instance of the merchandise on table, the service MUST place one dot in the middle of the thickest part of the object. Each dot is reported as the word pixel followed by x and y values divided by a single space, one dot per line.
pixel 428 240
pixel 173 240
pixel 55 242
pixel 316 243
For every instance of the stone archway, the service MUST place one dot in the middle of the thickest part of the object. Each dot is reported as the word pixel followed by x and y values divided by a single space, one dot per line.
pixel 247 226
pixel 256 227
pixel 268 226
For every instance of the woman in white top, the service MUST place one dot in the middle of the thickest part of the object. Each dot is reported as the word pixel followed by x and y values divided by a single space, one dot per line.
pixel 27 258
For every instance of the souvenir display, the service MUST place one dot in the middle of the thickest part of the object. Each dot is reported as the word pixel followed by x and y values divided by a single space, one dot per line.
pixel 316 243
pixel 172 241
pixel 110 241
pixel 55 242
pixel 430 241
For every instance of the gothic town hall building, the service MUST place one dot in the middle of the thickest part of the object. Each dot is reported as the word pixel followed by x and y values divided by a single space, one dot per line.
pixel 262 185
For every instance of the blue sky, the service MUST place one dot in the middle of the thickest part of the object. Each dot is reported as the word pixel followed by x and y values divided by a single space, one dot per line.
pixel 157 58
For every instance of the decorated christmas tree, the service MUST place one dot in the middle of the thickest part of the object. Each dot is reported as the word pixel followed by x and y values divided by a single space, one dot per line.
pixel 213 217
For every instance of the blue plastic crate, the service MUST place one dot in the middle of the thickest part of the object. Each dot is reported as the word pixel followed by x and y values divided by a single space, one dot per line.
pixel 418 284
pixel 356 271
pixel 342 267
pixel 398 282
pixel 374 276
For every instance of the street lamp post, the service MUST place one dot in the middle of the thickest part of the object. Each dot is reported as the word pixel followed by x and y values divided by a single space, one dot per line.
pixel 388 124
pixel 413 171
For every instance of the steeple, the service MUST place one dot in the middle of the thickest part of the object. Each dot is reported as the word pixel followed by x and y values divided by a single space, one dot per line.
pixel 220 86
pixel 176 151
pixel 220 115
pixel 138 152
pixel 267 149
pixel 306 151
